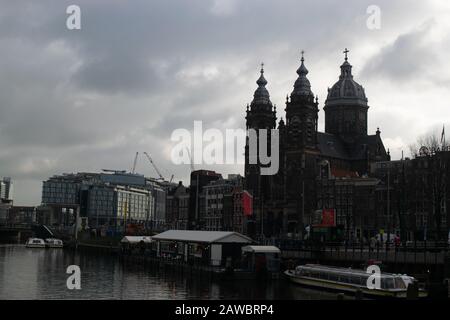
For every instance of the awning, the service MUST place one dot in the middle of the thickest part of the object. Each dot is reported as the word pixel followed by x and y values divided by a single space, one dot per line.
pixel 261 249
pixel 136 239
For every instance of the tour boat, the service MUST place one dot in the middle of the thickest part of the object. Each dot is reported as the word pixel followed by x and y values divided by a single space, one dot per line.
pixel 35 243
pixel 351 280
pixel 53 243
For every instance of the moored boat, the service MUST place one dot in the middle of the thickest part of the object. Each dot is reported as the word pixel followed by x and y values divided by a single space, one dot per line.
pixel 53 243
pixel 351 280
pixel 35 243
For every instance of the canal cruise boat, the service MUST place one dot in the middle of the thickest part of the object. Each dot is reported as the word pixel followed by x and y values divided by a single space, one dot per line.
pixel 53 243
pixel 351 280
pixel 35 243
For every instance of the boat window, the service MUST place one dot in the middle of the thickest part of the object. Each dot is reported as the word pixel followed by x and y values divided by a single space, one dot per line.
pixel 356 280
pixel 387 283
pixel 333 277
pixel 399 283
pixel 364 280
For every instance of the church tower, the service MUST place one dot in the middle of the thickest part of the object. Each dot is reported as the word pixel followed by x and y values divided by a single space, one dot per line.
pixel 346 107
pixel 302 113
pixel 300 151
pixel 261 114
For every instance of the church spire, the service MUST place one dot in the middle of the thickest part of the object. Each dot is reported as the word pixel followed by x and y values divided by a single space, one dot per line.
pixel 302 87
pixel 261 95
pixel 302 71
pixel 261 81
pixel 345 52
pixel 346 67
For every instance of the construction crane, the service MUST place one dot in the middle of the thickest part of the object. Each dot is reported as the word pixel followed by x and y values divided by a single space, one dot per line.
pixel 133 170
pixel 154 166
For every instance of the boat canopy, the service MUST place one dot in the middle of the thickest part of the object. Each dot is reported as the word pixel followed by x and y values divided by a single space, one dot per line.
pixel 136 239
pixel 261 249
pixel 343 271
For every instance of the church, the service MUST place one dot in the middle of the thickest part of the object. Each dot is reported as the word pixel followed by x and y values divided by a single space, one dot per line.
pixel 286 201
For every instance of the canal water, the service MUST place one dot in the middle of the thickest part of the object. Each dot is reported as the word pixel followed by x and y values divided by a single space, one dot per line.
pixel 27 273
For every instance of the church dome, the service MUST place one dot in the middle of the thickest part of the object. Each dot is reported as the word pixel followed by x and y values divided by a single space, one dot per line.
pixel 261 95
pixel 302 86
pixel 346 90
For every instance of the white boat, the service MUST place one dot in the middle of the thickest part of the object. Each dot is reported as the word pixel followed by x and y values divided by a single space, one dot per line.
pixel 53 243
pixel 351 280
pixel 35 243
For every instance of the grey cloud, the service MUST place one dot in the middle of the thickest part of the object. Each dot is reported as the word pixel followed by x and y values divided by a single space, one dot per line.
pixel 408 57
pixel 89 99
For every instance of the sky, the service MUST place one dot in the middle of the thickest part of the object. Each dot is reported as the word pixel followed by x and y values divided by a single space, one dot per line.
pixel 89 99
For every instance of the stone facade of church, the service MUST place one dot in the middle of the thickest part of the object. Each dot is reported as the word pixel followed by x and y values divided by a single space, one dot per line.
pixel 284 203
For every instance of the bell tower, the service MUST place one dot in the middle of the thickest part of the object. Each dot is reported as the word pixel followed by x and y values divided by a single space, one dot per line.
pixel 261 114
pixel 302 113
pixel 300 151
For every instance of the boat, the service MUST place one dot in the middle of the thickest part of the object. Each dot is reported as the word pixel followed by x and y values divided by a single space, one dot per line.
pixel 351 280
pixel 35 243
pixel 53 243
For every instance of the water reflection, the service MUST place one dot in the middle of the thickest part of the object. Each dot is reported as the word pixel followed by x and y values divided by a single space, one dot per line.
pixel 41 274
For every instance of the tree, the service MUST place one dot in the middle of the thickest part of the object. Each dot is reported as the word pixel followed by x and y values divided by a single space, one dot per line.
pixel 431 141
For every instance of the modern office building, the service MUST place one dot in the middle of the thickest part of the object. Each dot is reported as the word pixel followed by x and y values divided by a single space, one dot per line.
pixel 108 199
pixel 6 190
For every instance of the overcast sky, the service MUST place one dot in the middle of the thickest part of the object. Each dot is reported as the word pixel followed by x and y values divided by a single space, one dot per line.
pixel 83 100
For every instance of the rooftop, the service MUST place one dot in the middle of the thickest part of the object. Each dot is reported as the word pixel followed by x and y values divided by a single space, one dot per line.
pixel 203 236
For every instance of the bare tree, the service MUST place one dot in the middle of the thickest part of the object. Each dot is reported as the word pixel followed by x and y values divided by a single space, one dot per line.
pixel 431 141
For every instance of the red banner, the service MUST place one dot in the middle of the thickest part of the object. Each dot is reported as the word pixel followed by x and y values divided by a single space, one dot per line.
pixel 247 203
pixel 328 218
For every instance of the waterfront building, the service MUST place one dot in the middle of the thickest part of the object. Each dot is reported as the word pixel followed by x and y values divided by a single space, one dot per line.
pixel 219 203
pixel 286 201
pixel 214 248
pixel 198 180
pixel 21 215
pixel 239 218
pixel 4 208
pixel 6 190
pixel 177 206
pixel 109 200
pixel 413 196
pixel 352 199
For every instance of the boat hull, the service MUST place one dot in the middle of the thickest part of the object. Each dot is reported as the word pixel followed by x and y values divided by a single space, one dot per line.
pixel 347 288
pixel 54 246
pixel 34 245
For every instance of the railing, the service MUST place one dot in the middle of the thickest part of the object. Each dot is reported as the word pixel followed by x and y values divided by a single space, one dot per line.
pixel 345 246
pixel 9 225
